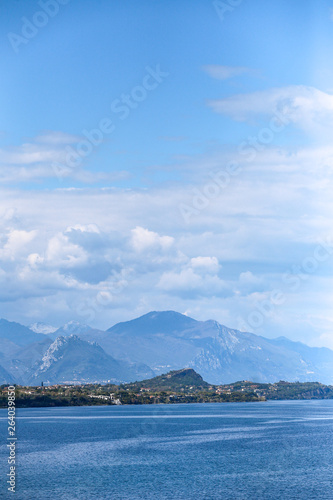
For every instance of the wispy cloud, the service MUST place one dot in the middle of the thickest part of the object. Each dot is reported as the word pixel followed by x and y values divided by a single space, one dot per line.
pixel 46 156
pixel 225 72
pixel 259 224
pixel 306 107
pixel 56 137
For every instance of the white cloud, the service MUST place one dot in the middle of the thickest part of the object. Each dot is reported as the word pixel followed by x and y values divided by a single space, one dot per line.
pixel 225 72
pixel 121 244
pixel 57 137
pixel 188 282
pixel 199 276
pixel 34 260
pixel 29 153
pixel 48 156
pixel 205 264
pixel 306 107
pixel 143 239
pixel 84 228
pixel 17 243
pixel 248 278
pixel 61 253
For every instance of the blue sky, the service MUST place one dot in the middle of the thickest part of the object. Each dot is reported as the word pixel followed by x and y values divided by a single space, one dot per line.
pixel 168 155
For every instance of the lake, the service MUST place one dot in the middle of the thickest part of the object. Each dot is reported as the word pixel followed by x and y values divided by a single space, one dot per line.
pixel 270 450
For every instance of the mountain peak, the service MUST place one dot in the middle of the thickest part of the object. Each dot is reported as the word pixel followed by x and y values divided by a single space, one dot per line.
pixel 73 360
pixel 50 354
pixel 55 350
pixel 40 327
pixel 166 314
pixel 73 327
pixel 156 322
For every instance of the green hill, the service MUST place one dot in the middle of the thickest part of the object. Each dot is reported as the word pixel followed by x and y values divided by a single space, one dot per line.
pixel 176 380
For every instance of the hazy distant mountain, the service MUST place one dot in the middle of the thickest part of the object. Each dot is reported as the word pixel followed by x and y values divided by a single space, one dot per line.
pixel 19 348
pixel 72 360
pixel 319 355
pixel 42 328
pixel 169 340
pixel 163 339
pixel 154 344
pixel 5 377
pixel 18 334
pixel 85 332
pixel 73 327
pixel 162 322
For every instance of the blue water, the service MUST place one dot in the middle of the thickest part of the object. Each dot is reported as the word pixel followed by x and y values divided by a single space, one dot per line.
pixel 272 450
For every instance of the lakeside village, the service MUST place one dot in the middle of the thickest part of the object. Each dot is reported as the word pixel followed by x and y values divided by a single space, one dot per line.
pixel 182 386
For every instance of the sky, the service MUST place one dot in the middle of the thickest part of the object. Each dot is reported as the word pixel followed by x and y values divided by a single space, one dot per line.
pixel 168 156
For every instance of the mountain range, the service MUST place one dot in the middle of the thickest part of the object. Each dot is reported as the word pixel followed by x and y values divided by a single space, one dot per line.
pixel 152 345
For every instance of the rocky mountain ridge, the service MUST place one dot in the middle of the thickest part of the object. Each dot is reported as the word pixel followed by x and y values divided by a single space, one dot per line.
pixel 152 344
